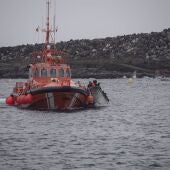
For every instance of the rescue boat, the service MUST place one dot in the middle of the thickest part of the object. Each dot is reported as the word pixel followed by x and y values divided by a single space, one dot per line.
pixel 50 85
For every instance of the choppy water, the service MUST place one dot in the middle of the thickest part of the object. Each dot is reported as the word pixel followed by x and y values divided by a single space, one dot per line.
pixel 132 133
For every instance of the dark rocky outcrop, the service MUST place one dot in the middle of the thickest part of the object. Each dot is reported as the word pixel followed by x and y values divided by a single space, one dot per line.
pixel 146 53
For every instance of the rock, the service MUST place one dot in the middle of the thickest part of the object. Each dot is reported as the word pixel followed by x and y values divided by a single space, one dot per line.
pixel 110 57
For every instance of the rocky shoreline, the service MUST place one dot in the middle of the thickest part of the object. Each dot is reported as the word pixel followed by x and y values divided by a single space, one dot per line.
pixel 113 57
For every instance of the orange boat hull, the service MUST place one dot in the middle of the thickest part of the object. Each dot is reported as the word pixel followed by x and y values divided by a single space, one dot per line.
pixel 57 101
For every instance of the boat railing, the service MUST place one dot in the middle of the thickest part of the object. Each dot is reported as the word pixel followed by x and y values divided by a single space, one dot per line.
pixel 49 56
pixel 21 87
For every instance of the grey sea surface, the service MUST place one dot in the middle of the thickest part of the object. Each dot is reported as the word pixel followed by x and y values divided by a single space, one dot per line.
pixel 132 133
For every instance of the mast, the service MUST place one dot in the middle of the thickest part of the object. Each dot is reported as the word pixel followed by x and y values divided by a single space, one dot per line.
pixel 48 22
pixel 54 18
pixel 49 30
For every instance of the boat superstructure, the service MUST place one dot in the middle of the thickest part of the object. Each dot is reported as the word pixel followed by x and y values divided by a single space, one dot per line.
pixel 50 85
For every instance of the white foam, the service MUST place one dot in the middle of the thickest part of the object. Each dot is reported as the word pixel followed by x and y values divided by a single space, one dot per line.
pixel 2 100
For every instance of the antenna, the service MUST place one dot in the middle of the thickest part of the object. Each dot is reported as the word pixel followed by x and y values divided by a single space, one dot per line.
pixel 54 28
pixel 49 30
pixel 48 22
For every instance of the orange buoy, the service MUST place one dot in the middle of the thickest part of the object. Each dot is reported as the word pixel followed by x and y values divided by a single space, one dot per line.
pixel 29 98
pixel 24 99
pixel 10 100
pixel 18 99
pixel 90 99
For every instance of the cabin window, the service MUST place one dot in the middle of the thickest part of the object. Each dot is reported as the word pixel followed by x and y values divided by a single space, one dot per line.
pixel 30 73
pixel 43 72
pixel 61 72
pixel 67 73
pixel 53 73
pixel 36 73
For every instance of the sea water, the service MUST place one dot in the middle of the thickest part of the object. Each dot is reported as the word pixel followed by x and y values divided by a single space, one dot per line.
pixel 132 133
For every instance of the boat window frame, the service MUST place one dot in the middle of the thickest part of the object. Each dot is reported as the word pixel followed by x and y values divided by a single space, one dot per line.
pixel 59 73
pixel 31 72
pixel 36 73
pixel 46 73
pixel 67 73
pixel 55 75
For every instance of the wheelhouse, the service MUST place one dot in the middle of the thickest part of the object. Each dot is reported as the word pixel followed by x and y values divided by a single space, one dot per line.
pixel 47 71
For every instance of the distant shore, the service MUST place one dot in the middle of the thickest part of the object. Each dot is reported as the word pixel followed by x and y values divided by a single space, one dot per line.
pixel 148 54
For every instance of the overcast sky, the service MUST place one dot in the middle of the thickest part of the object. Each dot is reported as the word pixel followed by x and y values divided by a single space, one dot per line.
pixel 77 19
